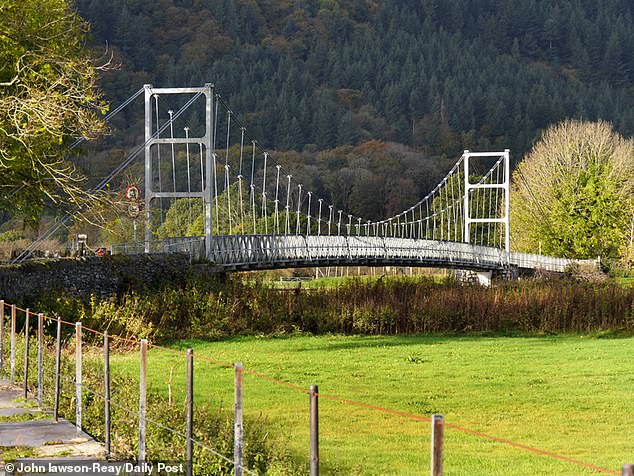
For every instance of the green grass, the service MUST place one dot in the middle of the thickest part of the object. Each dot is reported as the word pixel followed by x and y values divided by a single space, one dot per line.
pixel 627 281
pixel 571 395
pixel 27 416
pixel 9 454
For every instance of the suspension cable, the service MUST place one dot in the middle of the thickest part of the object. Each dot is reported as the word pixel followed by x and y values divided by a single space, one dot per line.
pixel 189 178
pixel 264 213
pixel 287 228
pixel 105 181
pixel 299 204
pixel 252 188
pixel 202 175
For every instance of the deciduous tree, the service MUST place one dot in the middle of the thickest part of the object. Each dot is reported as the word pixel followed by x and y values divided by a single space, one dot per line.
pixel 48 98
pixel 573 193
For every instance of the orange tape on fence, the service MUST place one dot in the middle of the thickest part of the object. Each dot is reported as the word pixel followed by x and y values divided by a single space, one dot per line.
pixel 54 319
pixel 374 407
pixel 530 448
pixel 411 416
pixel 212 361
pixel 279 382
pixel 88 329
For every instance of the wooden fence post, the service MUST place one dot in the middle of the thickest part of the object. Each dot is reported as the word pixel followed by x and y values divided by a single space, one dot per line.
pixel 58 368
pixel 437 433
pixel 26 354
pixel 78 376
pixel 237 423
pixel 628 470
pixel 142 400
pixel 189 444
pixel 1 335
pixel 314 430
pixel 12 358
pixel 40 358
pixel 106 390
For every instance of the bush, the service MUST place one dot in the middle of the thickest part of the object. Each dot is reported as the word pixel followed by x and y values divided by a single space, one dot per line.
pixel 213 310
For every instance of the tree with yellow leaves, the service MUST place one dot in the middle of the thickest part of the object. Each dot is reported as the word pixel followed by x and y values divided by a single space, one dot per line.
pixel 573 194
pixel 48 98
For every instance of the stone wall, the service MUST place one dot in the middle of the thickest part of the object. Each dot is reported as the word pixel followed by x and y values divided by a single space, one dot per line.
pixel 99 276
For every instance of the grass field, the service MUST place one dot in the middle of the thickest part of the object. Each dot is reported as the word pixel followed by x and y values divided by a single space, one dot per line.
pixel 570 395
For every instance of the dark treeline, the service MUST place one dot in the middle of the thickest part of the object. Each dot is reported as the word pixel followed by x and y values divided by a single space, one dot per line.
pixel 437 75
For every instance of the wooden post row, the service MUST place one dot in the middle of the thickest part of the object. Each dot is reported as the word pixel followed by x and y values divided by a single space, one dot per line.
pixel 189 430
pixel 1 335
pixel 26 353
pixel 40 359
pixel 106 391
pixel 58 368
pixel 78 376
pixel 12 358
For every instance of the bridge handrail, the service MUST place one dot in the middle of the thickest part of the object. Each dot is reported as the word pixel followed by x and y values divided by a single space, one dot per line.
pixel 548 263
pixel 302 250
pixel 193 245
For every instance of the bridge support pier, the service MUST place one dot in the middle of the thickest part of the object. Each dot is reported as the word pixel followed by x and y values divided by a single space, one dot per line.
pixel 484 278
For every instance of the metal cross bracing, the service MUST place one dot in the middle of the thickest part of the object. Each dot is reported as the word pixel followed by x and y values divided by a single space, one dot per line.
pixel 153 143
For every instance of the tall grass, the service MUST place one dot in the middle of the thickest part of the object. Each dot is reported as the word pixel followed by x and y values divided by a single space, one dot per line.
pixel 214 309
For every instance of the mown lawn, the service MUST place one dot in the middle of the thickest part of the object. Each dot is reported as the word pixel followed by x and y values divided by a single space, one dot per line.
pixel 569 395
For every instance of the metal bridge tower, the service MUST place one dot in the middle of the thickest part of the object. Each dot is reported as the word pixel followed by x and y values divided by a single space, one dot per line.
pixel 152 139
pixel 504 185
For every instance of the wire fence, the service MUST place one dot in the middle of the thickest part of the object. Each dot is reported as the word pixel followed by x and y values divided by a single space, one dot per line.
pixel 58 382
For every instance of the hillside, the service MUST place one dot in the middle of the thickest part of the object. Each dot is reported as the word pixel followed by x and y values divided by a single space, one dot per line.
pixel 437 75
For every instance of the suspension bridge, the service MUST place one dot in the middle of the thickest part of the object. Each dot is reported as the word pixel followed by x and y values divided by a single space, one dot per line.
pixel 219 196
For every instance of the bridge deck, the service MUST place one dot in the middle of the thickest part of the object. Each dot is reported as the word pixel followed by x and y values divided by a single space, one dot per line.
pixel 250 252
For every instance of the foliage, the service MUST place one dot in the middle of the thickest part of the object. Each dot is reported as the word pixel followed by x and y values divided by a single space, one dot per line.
pixel 48 98
pixel 206 308
pixel 11 235
pixel 572 195
pixel 438 75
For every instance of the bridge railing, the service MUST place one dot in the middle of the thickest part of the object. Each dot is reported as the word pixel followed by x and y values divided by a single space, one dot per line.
pixel 547 263
pixel 269 250
pixel 295 250
pixel 192 245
